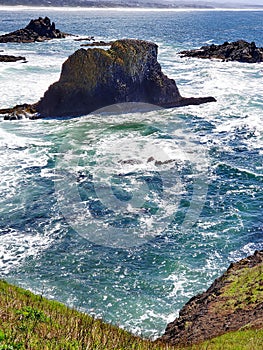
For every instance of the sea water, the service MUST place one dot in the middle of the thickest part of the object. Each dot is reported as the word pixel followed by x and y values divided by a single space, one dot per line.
pixel 127 213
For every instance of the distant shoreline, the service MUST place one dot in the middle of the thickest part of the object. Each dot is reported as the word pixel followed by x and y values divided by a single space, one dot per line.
pixel 124 9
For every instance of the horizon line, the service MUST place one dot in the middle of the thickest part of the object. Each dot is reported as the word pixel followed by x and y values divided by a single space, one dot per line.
pixel 136 9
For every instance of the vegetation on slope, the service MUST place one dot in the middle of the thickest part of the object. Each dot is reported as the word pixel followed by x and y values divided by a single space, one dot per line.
pixel 233 302
pixel 29 321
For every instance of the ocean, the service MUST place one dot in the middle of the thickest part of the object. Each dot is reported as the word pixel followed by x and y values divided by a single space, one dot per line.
pixel 128 213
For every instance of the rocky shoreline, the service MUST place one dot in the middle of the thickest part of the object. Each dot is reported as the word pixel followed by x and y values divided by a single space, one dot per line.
pixel 240 51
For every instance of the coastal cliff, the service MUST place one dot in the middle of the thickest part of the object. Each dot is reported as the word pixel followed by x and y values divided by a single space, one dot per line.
pixel 233 302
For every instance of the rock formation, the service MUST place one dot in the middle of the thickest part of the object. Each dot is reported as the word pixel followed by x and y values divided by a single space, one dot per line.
pixel 240 51
pixel 95 78
pixel 127 72
pixel 37 30
pixel 20 112
pixel 8 58
pixel 233 301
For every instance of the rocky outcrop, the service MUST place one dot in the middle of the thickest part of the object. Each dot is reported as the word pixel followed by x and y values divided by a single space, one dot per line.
pixel 37 30
pixel 127 72
pixel 233 301
pixel 95 78
pixel 240 51
pixel 20 112
pixel 8 58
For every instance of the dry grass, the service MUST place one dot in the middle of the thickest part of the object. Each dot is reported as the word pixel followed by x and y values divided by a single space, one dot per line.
pixel 28 321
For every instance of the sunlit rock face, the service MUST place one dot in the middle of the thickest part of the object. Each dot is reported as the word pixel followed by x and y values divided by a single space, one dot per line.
pixel 127 72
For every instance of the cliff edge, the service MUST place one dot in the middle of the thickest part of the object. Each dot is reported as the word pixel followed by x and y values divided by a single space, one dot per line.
pixel 234 301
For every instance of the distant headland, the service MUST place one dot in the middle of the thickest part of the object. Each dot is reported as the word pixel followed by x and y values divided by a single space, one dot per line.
pixel 160 4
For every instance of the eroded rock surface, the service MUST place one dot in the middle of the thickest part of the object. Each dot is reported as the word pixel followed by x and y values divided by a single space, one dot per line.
pixel 241 51
pixel 233 301
pixel 37 30
pixel 127 72
pixel 95 78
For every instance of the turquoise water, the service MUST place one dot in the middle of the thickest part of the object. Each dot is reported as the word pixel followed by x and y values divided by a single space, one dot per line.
pixel 87 218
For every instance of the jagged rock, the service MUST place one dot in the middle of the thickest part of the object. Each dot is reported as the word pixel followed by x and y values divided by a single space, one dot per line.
pixel 20 112
pixel 127 72
pixel 8 58
pixel 240 51
pixel 95 78
pixel 233 301
pixel 37 30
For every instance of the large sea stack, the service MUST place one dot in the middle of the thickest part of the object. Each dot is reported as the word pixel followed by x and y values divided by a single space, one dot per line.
pixel 233 302
pixel 127 72
pixel 37 30
pixel 95 78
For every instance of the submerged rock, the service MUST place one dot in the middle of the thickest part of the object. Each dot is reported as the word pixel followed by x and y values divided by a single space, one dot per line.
pixel 8 58
pixel 37 30
pixel 89 38
pixel 240 51
pixel 233 301
pixel 127 72
pixel 98 43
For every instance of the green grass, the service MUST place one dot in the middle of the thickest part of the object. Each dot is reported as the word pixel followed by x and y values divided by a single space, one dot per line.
pixel 246 286
pixel 241 340
pixel 29 321
pixel 243 290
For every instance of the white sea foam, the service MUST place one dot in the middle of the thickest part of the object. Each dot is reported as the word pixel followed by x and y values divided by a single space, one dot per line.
pixel 142 293
pixel 17 156
pixel 16 246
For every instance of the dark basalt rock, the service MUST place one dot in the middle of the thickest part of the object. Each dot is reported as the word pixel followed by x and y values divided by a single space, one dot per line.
pixel 240 51
pixel 20 112
pixel 127 72
pixel 95 78
pixel 89 38
pixel 233 301
pixel 7 58
pixel 37 30
pixel 98 43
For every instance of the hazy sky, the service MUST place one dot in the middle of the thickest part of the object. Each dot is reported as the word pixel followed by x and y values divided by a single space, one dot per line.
pixel 247 2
